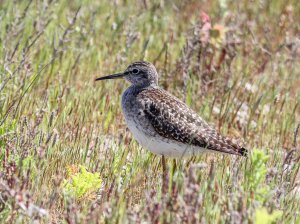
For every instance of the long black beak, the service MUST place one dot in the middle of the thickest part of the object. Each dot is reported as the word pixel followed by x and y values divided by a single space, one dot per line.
pixel 113 76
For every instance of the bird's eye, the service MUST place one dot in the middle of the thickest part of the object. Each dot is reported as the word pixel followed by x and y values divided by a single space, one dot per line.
pixel 135 71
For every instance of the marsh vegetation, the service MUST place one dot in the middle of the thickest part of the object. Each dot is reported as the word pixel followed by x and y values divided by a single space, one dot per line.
pixel 66 154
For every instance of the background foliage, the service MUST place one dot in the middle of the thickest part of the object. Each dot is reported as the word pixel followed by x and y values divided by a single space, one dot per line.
pixel 234 62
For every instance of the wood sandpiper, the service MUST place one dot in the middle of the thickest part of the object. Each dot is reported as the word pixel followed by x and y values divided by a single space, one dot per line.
pixel 164 124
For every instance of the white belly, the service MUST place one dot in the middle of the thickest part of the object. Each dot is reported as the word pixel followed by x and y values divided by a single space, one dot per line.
pixel 163 146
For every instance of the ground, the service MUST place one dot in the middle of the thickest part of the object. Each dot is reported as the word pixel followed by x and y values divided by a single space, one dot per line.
pixel 67 156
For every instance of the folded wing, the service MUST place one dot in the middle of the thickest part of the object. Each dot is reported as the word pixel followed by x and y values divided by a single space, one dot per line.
pixel 172 119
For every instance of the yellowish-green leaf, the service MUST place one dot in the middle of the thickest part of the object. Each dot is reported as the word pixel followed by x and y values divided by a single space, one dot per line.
pixel 82 183
pixel 262 216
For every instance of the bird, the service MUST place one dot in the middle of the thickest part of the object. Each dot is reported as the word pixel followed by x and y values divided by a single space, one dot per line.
pixel 163 123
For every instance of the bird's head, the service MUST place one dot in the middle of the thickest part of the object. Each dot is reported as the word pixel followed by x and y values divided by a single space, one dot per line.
pixel 140 73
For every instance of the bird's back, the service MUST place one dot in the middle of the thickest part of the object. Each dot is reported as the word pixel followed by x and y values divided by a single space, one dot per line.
pixel 159 120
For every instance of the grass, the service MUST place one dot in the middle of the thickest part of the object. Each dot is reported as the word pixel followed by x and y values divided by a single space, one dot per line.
pixel 56 123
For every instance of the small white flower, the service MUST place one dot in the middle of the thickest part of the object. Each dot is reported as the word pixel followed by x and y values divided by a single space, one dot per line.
pixel 114 26
pixel 253 124
pixel 216 110
pixel 266 109
pixel 250 87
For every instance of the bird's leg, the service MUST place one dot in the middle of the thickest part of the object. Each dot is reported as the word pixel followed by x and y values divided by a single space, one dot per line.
pixel 164 175
pixel 174 167
pixel 163 161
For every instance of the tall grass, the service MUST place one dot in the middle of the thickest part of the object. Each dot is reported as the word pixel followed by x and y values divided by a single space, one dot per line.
pixel 60 131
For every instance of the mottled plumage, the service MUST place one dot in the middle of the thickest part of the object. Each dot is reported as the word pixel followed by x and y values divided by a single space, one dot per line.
pixel 164 124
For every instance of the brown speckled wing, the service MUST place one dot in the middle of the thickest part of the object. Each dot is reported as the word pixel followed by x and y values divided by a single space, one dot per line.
pixel 172 119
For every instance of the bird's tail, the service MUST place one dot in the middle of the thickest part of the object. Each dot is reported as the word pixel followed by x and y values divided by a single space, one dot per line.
pixel 243 152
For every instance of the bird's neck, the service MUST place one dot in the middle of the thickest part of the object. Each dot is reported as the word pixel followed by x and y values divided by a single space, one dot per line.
pixel 144 85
